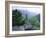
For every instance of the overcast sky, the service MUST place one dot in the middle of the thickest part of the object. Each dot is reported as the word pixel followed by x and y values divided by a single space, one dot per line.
pixel 33 10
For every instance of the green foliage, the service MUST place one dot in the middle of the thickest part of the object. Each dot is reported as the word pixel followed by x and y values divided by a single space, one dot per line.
pixel 26 19
pixel 18 19
pixel 35 22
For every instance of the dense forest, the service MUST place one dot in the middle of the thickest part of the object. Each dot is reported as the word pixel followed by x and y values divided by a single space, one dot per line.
pixel 32 23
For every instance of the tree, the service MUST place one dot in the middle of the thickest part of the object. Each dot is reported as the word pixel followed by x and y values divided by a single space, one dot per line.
pixel 26 19
pixel 35 22
pixel 18 18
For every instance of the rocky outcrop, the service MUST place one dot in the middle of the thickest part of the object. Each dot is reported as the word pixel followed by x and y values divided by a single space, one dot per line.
pixel 18 28
pixel 23 27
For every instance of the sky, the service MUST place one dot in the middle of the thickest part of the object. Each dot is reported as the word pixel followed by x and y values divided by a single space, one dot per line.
pixel 30 9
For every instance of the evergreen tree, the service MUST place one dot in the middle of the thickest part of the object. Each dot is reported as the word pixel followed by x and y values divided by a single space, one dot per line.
pixel 18 19
pixel 26 19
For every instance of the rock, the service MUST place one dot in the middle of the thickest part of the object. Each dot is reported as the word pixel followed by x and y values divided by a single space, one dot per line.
pixel 23 27
pixel 27 26
pixel 18 28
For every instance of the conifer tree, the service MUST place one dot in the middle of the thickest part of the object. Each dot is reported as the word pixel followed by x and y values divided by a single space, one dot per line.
pixel 18 19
